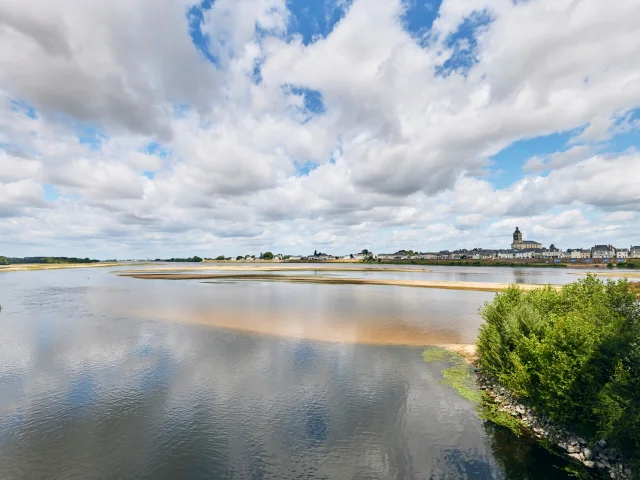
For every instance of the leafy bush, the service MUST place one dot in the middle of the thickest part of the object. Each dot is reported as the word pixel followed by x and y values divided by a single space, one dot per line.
pixel 573 354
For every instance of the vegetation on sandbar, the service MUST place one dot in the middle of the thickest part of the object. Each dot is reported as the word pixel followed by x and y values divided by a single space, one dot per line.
pixel 181 260
pixel 571 354
pixel 44 260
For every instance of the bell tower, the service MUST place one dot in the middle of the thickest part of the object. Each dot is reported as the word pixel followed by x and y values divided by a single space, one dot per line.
pixel 517 236
pixel 517 239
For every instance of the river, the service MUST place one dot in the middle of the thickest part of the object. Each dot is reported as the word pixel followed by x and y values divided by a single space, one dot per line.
pixel 103 376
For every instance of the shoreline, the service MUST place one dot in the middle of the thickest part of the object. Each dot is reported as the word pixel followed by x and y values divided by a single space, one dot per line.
pixel 278 268
pixel 26 267
pixel 594 456
pixel 609 273
pixel 498 405
pixel 446 285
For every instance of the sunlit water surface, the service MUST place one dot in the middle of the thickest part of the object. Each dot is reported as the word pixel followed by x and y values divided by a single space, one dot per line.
pixel 112 377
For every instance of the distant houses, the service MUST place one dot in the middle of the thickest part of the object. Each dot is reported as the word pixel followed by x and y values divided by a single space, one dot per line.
pixel 526 250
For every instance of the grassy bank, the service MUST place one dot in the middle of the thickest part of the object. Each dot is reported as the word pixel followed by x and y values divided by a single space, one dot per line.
pixel 571 354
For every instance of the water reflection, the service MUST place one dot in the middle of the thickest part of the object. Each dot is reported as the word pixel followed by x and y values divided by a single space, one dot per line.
pixel 523 459
pixel 88 390
pixel 190 402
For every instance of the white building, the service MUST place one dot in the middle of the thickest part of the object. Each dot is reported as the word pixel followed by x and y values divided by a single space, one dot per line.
pixel 634 252
pixel 580 253
pixel 622 253
pixel 528 253
pixel 603 251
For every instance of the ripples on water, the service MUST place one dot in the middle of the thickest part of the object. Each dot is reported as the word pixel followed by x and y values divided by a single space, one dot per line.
pixel 88 390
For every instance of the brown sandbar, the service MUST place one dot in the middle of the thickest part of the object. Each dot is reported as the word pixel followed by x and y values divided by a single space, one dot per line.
pixel 449 285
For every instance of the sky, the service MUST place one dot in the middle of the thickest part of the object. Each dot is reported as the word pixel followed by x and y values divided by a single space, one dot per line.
pixel 169 128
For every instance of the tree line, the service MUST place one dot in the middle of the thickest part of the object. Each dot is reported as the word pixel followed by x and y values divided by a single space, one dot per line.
pixel 46 260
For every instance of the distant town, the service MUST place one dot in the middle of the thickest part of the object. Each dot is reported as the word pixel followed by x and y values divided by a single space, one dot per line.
pixel 521 250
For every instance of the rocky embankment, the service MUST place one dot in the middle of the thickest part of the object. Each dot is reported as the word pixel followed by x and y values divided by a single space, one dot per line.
pixel 598 456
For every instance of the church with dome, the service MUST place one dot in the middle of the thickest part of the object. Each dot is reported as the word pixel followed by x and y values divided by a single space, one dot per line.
pixel 519 244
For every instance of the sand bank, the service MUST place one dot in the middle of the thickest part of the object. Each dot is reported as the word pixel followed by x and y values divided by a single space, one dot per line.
pixel 610 274
pixel 277 268
pixel 52 266
pixel 350 329
pixel 476 286
pixel 468 351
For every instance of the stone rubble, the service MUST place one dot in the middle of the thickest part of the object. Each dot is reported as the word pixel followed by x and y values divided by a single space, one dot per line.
pixel 596 456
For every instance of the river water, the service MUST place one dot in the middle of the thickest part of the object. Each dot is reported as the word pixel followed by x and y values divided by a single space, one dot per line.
pixel 106 377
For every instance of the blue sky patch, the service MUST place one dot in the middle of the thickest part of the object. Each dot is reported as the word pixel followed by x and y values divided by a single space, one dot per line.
pixel 91 136
pixel 195 17
pixel 313 102
pixel 510 160
pixel 257 72
pixel 23 107
pixel 304 169
pixel 624 141
pixel 464 44
pixel 419 16
pixel 154 148
pixel 315 19
pixel 50 192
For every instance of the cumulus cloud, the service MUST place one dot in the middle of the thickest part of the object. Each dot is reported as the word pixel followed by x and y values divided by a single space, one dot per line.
pixel 118 63
pixel 17 197
pixel 558 159
pixel 226 127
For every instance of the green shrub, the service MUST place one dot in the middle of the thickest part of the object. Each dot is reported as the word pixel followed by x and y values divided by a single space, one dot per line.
pixel 572 353
pixel 628 265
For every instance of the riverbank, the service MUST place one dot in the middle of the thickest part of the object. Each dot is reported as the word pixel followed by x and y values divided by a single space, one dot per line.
pixel 609 273
pixel 565 364
pixel 497 405
pixel 476 263
pixel 596 456
pixel 280 267
pixel 54 266
pixel 446 285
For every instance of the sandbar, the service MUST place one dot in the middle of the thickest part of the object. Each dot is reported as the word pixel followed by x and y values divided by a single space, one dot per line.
pixel 610 274
pixel 349 329
pixel 279 268
pixel 23 267
pixel 449 285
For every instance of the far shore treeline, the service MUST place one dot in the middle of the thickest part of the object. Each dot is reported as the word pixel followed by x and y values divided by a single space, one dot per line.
pixel 572 354
pixel 181 260
pixel 45 260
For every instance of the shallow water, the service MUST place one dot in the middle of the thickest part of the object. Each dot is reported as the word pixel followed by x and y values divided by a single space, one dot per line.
pixel 111 377
pixel 531 275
